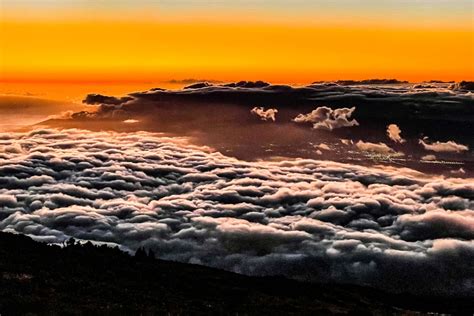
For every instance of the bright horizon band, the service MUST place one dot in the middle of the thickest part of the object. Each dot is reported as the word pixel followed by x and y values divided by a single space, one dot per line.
pixel 83 41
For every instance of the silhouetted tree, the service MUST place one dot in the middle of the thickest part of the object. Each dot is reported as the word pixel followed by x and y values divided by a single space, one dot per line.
pixel 151 254
pixel 141 253
pixel 70 242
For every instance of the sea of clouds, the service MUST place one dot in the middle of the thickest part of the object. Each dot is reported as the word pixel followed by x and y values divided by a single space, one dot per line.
pixel 391 228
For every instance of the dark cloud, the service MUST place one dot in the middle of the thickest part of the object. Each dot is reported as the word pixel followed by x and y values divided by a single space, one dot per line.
pixel 394 102
pixel 188 81
pixel 463 86
pixel 369 82
pixel 306 219
pixel 248 84
pixel 198 85
pixel 95 99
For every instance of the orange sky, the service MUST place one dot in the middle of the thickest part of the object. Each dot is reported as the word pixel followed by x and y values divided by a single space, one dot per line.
pixel 75 47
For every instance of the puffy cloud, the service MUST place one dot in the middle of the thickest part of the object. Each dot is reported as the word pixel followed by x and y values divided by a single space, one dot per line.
pixel 428 158
pixel 448 146
pixel 305 219
pixel 198 85
pixel 7 200
pixel 393 132
pixel 263 114
pixel 346 141
pixel 326 118
pixel 459 171
pixel 131 121
pixel 380 148
pixel 323 146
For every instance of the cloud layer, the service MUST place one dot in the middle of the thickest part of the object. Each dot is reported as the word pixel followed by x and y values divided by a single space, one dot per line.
pixel 306 219
pixel 373 99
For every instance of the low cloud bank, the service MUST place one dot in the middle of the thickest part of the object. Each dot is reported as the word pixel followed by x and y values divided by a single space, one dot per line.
pixel 448 146
pixel 306 219
pixel 380 148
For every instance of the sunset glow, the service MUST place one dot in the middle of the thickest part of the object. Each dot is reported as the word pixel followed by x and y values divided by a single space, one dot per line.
pixel 76 43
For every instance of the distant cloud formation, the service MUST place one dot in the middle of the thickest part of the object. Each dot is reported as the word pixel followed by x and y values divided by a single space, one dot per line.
pixel 264 115
pixel 131 121
pixel 373 100
pixel 61 116
pixel 323 146
pixel 393 132
pixel 95 99
pixel 306 219
pixel 428 158
pixel 346 141
pixel 326 118
pixel 198 85
pixel 448 146
pixel 369 82
pixel 380 148
pixel 393 110
pixel 188 81
pixel 463 86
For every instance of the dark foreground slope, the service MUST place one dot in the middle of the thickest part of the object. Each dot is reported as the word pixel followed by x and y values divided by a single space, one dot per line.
pixel 36 278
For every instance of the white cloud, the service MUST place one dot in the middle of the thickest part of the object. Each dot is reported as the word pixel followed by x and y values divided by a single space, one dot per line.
pixel 131 121
pixel 380 148
pixel 327 118
pixel 264 115
pixel 320 220
pixel 429 158
pixel 448 146
pixel 323 146
pixel 346 141
pixel 393 132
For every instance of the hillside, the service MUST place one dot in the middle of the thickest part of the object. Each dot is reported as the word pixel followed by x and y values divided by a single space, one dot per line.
pixel 36 278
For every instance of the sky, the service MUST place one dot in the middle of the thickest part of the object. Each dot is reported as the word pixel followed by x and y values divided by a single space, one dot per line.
pixel 83 41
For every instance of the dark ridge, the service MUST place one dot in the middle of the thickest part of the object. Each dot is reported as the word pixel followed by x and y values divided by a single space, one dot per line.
pixel 198 85
pixel 191 81
pixel 83 279
pixel 438 81
pixel 248 84
pixel 369 81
